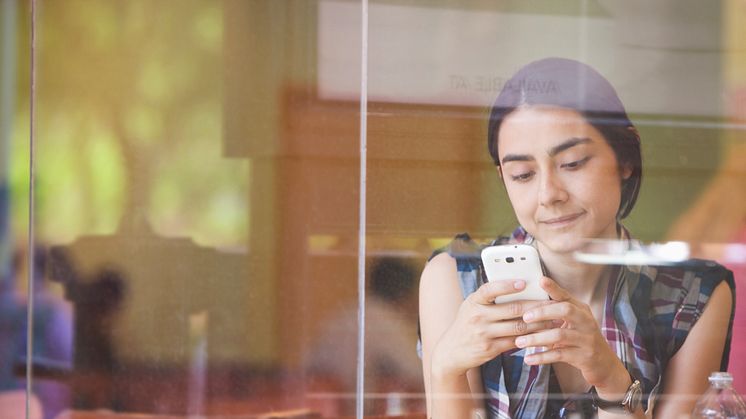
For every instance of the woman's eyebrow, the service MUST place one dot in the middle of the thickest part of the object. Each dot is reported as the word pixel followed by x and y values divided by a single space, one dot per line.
pixel 569 143
pixel 517 157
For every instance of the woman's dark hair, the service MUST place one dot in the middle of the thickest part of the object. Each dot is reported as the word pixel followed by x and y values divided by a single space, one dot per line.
pixel 573 85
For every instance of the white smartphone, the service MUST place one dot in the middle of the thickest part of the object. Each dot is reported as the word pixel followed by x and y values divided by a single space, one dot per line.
pixel 513 262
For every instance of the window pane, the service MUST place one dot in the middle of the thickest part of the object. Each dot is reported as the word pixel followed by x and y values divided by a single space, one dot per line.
pixel 198 215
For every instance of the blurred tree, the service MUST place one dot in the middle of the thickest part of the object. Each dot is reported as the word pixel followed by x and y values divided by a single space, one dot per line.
pixel 129 120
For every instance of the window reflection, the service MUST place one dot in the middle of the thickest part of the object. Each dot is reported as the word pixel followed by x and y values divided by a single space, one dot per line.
pixel 197 178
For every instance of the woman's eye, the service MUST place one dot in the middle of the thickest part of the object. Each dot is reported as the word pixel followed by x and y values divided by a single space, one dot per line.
pixel 523 177
pixel 576 164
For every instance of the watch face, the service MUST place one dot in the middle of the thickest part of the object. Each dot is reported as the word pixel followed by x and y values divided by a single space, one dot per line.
pixel 634 397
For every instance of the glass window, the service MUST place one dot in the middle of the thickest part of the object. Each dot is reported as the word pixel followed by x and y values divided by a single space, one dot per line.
pixel 244 208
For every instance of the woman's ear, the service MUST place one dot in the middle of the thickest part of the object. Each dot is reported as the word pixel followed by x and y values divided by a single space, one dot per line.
pixel 625 171
pixel 499 171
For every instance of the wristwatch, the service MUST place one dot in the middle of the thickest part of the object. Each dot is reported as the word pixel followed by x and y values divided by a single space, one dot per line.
pixel 629 403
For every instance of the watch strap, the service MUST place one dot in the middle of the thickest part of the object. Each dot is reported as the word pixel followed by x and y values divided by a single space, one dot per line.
pixel 628 404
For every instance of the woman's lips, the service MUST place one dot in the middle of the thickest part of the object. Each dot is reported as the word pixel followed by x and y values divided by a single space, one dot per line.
pixel 563 220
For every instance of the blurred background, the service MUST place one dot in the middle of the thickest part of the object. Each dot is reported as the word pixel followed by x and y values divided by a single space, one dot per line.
pixel 197 183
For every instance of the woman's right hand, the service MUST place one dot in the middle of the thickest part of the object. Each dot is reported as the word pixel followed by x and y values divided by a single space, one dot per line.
pixel 482 329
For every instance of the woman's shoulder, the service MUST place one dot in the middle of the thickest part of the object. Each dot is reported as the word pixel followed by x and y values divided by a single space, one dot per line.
pixel 679 293
pixel 467 252
pixel 463 255
pixel 462 248
pixel 695 276
pixel 661 304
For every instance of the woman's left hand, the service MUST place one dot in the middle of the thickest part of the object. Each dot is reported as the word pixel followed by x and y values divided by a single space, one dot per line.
pixel 578 341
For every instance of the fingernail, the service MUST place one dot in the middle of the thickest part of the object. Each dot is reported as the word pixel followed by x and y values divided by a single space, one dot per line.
pixel 519 285
pixel 528 316
pixel 520 342
pixel 529 360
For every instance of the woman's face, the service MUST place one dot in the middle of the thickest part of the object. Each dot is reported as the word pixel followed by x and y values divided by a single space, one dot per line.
pixel 561 175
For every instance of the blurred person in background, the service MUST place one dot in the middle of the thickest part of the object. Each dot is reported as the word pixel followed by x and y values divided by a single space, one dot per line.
pixel 52 336
pixel 391 362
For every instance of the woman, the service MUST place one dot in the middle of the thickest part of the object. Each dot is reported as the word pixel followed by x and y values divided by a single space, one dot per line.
pixel 570 161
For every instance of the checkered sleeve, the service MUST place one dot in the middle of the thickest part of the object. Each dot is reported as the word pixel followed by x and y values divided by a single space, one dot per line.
pixel 679 296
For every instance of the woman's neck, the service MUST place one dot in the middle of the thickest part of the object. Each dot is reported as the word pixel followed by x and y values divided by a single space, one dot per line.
pixel 579 279
pixel 582 280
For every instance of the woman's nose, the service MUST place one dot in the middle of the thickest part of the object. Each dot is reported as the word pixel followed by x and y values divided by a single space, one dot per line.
pixel 552 190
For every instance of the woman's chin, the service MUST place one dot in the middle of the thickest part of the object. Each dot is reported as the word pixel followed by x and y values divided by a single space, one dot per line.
pixel 563 244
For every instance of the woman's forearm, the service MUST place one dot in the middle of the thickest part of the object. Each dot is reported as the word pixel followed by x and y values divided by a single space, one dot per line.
pixel 451 396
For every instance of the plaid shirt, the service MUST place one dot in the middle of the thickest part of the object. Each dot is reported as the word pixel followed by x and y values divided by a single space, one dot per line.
pixel 647 315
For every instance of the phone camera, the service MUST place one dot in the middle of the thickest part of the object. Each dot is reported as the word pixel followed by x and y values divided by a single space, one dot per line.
pixel 509 259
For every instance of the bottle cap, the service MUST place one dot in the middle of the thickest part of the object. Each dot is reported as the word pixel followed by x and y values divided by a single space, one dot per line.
pixel 720 378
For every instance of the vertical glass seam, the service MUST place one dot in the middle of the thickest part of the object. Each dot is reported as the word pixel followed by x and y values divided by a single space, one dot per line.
pixel 30 252
pixel 360 389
